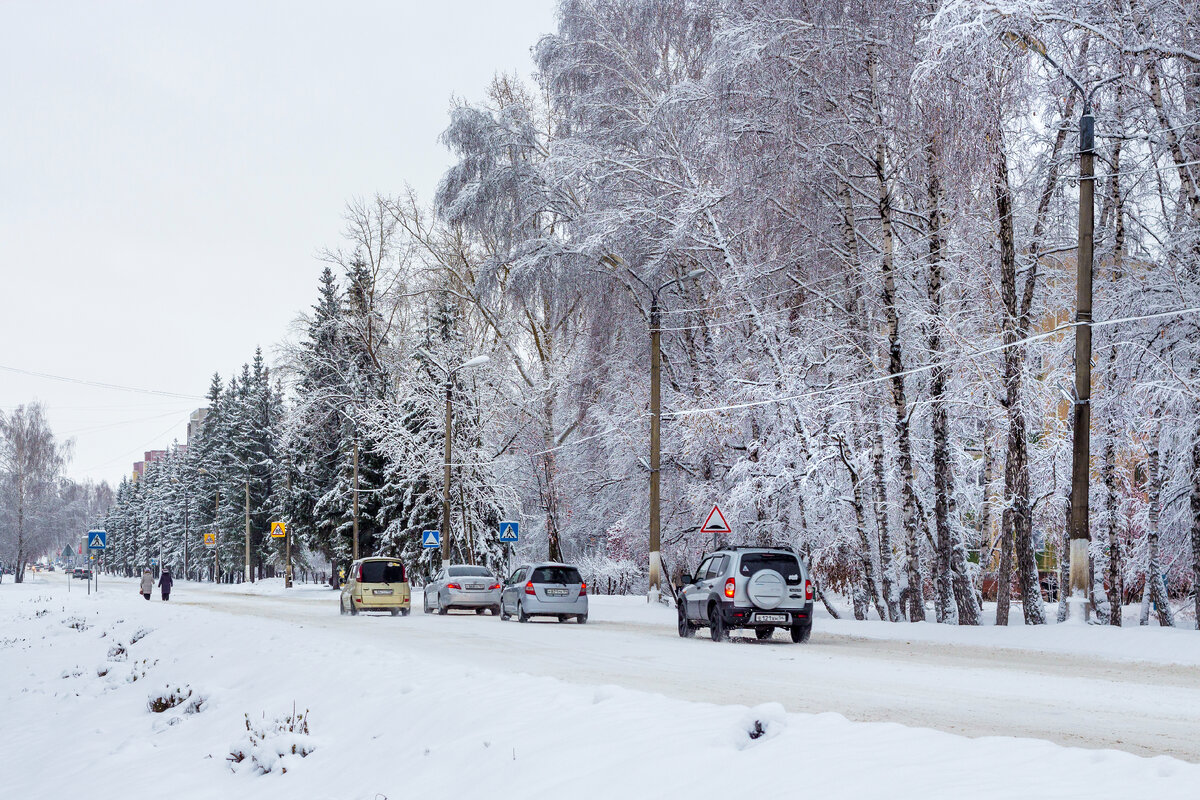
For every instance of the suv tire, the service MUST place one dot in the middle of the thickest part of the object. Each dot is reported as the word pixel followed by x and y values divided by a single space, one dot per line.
pixel 762 634
pixel 341 606
pixel 716 624
pixel 686 629
pixel 800 633
pixel 353 610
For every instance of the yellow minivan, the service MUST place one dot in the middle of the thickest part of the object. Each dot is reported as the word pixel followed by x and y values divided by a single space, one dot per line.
pixel 376 584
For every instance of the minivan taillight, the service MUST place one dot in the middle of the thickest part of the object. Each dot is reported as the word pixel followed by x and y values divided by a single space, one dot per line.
pixel 358 574
pixel 808 590
pixel 583 589
pixel 529 587
pixel 730 587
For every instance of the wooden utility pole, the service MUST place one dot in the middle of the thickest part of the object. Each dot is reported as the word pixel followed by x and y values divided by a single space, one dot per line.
pixel 655 586
pixel 446 479
pixel 1080 577
pixel 356 499
pixel 248 527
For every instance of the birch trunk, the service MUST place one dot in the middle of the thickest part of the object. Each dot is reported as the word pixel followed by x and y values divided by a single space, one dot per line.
pixel 887 564
pixel 1018 521
pixel 1154 590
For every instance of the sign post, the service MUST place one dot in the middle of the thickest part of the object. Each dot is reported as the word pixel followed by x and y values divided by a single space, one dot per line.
pixel 97 542
pixel 510 531
pixel 715 524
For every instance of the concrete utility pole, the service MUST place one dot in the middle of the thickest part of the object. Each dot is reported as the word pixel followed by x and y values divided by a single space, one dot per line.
pixel 355 558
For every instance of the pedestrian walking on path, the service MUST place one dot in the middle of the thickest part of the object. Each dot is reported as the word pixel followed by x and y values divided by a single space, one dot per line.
pixel 165 583
pixel 147 583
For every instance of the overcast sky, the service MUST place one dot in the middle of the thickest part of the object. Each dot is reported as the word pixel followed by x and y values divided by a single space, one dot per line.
pixel 169 172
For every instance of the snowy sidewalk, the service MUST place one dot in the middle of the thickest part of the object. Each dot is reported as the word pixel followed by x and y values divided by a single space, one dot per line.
pixel 397 709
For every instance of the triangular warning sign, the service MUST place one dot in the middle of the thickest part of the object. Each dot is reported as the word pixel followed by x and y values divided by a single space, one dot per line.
pixel 278 530
pixel 716 522
pixel 507 533
pixel 431 539
pixel 97 542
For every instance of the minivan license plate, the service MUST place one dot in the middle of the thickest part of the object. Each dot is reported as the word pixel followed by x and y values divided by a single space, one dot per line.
pixel 556 592
pixel 381 591
pixel 770 618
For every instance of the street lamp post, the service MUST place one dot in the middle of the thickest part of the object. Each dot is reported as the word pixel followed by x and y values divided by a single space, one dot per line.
pixel 654 589
pixel 477 361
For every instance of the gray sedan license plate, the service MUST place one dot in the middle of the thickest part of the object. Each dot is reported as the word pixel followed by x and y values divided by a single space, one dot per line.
pixel 381 591
pixel 770 617
pixel 556 592
pixel 475 587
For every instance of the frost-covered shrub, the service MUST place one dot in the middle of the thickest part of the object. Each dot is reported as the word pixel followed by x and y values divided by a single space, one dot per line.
pixel 168 698
pixel 117 652
pixel 606 575
pixel 76 623
pixel 141 634
pixel 266 745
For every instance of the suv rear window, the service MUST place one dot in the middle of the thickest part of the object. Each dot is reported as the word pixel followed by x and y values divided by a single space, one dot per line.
pixel 469 572
pixel 382 572
pixel 783 563
pixel 556 575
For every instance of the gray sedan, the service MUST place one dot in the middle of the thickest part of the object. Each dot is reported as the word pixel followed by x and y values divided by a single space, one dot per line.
pixel 545 590
pixel 463 586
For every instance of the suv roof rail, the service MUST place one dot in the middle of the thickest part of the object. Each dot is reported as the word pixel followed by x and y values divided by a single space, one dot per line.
pixel 752 547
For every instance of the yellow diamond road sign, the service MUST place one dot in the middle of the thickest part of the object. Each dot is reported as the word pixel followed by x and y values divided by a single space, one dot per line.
pixel 278 530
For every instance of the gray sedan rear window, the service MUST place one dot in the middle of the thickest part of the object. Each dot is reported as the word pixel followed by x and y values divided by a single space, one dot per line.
pixel 470 572
pixel 556 575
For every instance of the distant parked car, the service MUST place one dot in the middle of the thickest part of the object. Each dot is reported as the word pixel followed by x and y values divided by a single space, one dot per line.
pixel 463 586
pixel 545 590
pixel 761 588
pixel 375 584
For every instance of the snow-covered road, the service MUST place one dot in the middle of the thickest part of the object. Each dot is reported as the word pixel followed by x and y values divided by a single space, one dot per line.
pixel 1092 699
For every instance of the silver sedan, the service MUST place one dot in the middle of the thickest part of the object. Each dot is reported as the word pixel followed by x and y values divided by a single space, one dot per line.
pixel 463 586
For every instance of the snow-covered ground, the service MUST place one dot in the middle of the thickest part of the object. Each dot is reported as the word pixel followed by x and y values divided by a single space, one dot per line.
pixel 621 707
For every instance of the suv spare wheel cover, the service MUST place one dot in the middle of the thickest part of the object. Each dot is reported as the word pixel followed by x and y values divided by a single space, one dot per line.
pixel 766 589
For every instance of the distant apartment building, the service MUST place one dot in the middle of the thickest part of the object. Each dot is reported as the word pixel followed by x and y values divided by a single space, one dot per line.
pixel 194 423
pixel 149 457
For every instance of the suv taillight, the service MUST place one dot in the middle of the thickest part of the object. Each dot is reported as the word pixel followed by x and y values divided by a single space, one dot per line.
pixel 529 587
pixel 583 589
pixel 358 574
pixel 730 587
pixel 808 590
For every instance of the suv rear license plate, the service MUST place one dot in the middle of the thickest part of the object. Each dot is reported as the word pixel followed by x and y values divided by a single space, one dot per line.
pixel 381 591
pixel 770 617
pixel 556 592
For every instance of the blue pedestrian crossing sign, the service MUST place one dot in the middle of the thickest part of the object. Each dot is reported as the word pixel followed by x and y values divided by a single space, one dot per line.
pixel 431 539
pixel 510 531
pixel 97 540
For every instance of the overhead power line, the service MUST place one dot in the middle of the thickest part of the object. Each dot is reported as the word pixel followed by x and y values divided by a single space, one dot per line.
pixel 100 385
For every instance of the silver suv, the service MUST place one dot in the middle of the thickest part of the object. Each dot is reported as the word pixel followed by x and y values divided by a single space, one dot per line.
pixel 762 588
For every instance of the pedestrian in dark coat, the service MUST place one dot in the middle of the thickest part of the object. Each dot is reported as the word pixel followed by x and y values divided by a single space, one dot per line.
pixel 147 584
pixel 165 582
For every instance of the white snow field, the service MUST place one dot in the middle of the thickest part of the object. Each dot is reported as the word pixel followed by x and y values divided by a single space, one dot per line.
pixel 620 707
